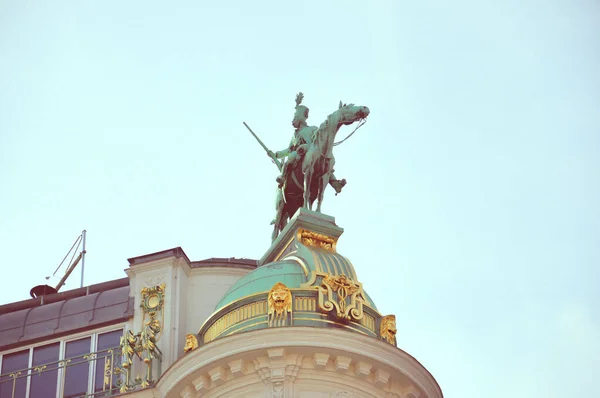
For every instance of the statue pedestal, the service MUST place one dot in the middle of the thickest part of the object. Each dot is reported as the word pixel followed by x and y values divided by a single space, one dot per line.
pixel 307 228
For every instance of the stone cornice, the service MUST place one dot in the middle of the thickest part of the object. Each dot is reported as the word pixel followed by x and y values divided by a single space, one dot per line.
pixel 380 354
pixel 168 262
pixel 176 252
pixel 219 271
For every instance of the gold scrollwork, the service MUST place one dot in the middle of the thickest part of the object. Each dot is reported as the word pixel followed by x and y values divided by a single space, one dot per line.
pixel 128 348
pixel 89 357
pixel 314 239
pixel 387 329
pixel 279 304
pixel 153 298
pixel 107 374
pixel 14 379
pixel 148 339
pixel 342 296
pixel 143 344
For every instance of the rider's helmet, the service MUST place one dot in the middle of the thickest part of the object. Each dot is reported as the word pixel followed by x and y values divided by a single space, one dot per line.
pixel 301 113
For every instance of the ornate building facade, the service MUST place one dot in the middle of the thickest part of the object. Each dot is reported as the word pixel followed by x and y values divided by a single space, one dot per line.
pixel 296 323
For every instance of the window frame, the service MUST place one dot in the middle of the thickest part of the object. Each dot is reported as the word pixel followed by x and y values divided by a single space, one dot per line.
pixel 92 333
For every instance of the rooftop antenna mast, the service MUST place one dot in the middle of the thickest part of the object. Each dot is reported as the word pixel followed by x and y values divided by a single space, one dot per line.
pixel 82 256
pixel 42 290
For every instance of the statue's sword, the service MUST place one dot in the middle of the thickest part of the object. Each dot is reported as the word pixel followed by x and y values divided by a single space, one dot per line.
pixel 273 158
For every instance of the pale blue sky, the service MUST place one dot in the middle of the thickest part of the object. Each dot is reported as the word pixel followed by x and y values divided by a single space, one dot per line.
pixel 471 210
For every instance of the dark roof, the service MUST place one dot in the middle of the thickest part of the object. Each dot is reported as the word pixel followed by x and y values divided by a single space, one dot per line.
pixel 178 252
pixel 59 314
pixel 225 262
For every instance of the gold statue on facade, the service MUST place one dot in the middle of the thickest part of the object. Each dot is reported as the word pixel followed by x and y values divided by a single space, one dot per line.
pixel 387 329
pixel 191 343
pixel 279 305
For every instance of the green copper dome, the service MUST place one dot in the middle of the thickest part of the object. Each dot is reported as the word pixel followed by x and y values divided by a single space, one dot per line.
pixel 262 279
pixel 301 281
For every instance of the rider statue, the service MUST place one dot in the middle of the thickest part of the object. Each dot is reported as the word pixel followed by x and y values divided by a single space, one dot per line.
pixel 299 145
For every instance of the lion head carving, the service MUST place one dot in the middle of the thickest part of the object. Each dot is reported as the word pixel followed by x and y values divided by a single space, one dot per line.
pixel 280 299
pixel 387 330
pixel 191 343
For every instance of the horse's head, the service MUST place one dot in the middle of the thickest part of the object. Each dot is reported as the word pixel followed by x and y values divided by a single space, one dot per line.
pixel 351 113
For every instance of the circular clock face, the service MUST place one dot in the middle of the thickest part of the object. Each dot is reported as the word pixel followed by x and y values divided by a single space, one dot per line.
pixel 153 301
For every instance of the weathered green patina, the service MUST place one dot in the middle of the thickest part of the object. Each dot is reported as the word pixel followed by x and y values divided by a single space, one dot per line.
pixel 301 281
pixel 292 262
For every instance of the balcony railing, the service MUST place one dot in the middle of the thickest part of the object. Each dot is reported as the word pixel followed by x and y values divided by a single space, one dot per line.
pixel 93 374
pixel 96 374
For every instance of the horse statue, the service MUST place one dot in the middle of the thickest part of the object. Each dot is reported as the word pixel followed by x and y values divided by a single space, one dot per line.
pixel 308 178
pixel 318 161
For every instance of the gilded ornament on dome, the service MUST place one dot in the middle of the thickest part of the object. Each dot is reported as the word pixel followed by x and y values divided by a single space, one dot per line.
pixel 342 284
pixel 387 329
pixel 317 240
pixel 191 343
pixel 279 305
pixel 342 296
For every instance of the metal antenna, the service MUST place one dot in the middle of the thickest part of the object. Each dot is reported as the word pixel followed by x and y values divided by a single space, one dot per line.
pixel 83 256
pixel 42 290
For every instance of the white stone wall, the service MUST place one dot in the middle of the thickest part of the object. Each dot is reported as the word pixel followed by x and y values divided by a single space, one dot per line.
pixel 297 362
pixel 207 285
pixel 190 297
